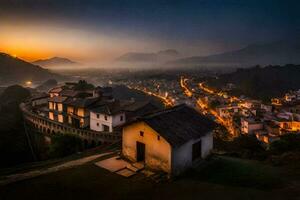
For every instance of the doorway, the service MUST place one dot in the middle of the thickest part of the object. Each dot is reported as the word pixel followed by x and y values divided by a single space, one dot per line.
pixel 140 151
pixel 196 150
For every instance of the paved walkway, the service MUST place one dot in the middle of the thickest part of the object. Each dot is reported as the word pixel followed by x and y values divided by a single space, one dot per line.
pixel 31 174
pixel 119 166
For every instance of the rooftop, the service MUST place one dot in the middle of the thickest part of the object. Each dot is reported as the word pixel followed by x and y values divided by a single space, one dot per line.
pixel 57 99
pixel 82 102
pixel 179 124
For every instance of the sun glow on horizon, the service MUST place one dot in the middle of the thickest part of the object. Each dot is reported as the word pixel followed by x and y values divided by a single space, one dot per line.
pixel 40 41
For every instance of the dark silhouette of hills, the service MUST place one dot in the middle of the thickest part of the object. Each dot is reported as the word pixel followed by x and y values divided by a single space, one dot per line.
pixel 14 148
pixel 55 62
pixel 139 57
pixel 276 53
pixel 14 70
pixel 261 82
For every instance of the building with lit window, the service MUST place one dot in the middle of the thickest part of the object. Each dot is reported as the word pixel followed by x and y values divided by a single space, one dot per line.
pixel 171 140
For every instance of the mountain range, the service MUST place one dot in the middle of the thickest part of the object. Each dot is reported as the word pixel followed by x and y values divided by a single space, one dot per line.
pixel 276 53
pixel 156 57
pixel 55 62
pixel 14 70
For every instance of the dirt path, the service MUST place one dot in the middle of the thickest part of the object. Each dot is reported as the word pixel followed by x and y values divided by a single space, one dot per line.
pixel 31 174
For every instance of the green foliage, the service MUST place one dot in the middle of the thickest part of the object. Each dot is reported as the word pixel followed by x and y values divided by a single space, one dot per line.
pixel 289 142
pixel 64 144
pixel 237 172
pixel 83 85
pixel 14 94
pixel 261 83
pixel 249 143
pixel 14 147
pixel 213 104
pixel 243 146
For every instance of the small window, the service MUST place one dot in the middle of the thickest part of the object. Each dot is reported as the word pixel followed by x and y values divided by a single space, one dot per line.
pixel 142 133
pixel 105 117
pixel 97 124
pixel 98 116
pixel 158 137
pixel 121 118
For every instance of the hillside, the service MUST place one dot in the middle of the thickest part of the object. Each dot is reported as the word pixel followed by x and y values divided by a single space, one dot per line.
pixel 219 178
pixel 47 85
pixel 14 70
pixel 261 83
pixel 277 53
pixel 55 62
pixel 14 148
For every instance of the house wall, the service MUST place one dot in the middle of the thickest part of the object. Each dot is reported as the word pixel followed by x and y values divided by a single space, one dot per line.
pixel 249 128
pixel 254 127
pixel 54 94
pixel 182 156
pixel 111 121
pixel 157 152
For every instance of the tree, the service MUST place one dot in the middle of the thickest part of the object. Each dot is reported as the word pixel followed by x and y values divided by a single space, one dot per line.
pixel 14 147
pixel 64 144
pixel 213 104
pixel 289 142
pixel 83 85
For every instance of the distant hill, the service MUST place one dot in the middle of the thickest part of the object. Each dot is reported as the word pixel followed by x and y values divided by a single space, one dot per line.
pixel 14 70
pixel 156 57
pixel 261 82
pixel 55 62
pixel 277 53
pixel 47 85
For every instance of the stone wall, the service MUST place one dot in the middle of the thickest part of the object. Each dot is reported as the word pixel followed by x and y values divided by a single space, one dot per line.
pixel 48 127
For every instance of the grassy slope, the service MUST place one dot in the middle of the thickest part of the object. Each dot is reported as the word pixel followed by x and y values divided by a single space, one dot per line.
pixel 220 179
pixel 261 83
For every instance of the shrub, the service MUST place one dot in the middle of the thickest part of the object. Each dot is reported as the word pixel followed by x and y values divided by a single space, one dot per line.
pixel 63 145
pixel 289 142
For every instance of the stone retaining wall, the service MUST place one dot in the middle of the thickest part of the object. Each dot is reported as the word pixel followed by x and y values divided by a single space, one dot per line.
pixel 49 127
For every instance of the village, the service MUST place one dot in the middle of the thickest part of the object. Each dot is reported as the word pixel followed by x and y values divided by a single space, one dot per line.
pixel 152 137
pixel 158 142
pixel 239 115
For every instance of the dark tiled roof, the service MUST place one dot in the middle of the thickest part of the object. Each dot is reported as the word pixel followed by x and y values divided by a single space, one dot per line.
pixel 81 102
pixel 57 99
pixel 117 106
pixel 56 89
pixel 131 107
pixel 68 93
pixel 179 124
pixel 109 108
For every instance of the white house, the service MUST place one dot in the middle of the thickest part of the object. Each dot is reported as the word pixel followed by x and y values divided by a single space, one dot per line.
pixel 171 140
pixel 107 117
pixel 249 125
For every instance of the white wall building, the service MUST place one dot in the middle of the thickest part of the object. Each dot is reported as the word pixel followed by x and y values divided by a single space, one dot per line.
pixel 249 125
pixel 171 140
pixel 106 118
